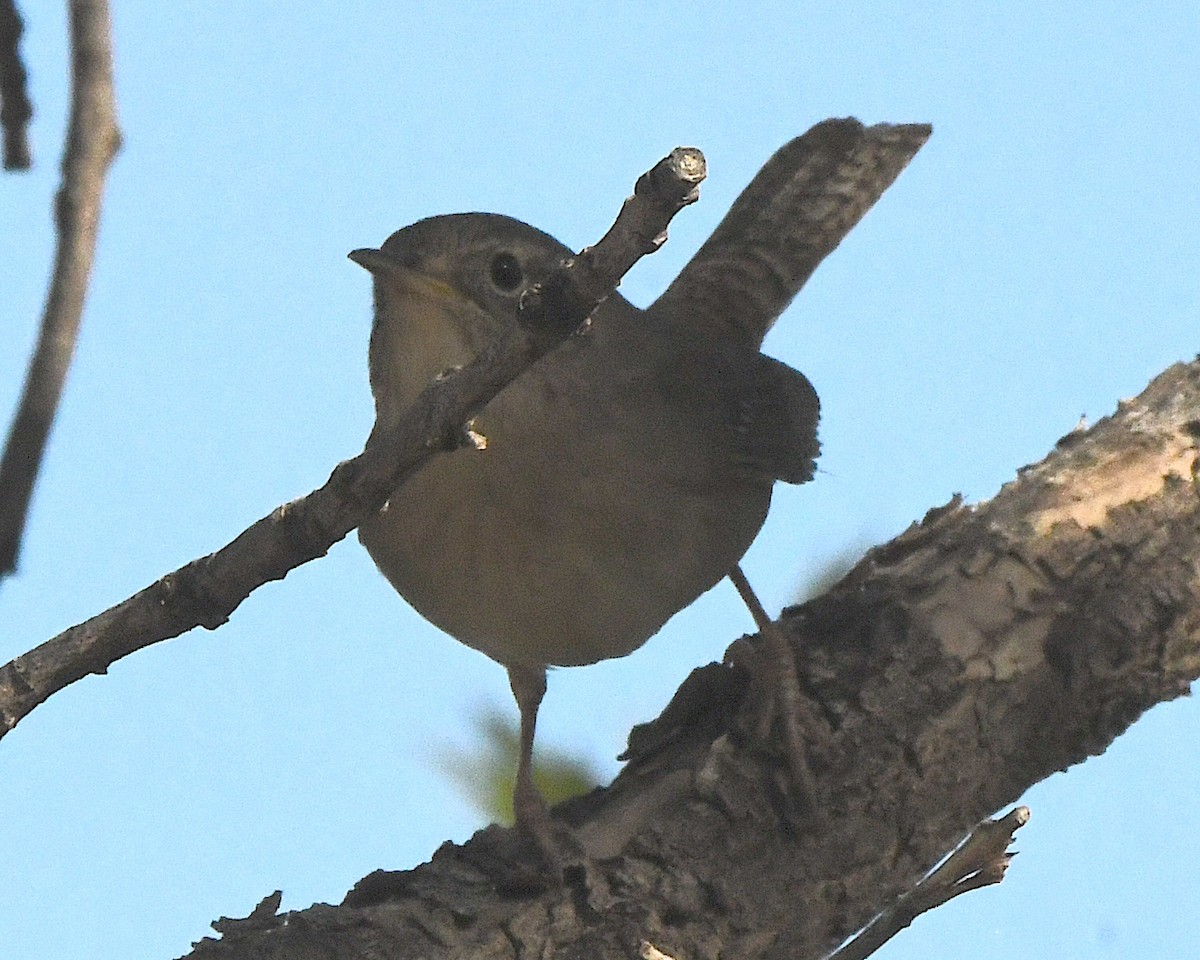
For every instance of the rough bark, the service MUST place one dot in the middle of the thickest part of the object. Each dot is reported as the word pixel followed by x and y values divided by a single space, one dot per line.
pixel 982 650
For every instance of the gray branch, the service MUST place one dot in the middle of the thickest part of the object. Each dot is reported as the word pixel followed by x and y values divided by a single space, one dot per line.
pixel 979 861
pixel 206 591
pixel 93 139
pixel 15 109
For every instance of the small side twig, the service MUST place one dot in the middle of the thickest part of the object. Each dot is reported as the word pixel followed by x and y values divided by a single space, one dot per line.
pixel 206 591
pixel 93 139
pixel 979 861
pixel 15 109
pixel 641 226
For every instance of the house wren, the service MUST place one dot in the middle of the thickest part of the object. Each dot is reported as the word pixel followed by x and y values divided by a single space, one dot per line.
pixel 626 472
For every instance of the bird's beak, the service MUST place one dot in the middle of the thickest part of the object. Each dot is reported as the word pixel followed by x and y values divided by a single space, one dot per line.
pixel 382 264
pixel 377 262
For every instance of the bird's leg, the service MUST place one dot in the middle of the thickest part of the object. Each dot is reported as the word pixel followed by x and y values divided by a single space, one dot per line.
pixel 529 808
pixel 778 677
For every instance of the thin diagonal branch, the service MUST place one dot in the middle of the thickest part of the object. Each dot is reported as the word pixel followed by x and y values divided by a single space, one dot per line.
pixel 93 139
pixel 979 861
pixel 15 109
pixel 206 591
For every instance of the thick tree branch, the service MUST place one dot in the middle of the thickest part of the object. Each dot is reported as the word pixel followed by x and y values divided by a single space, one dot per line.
pixel 976 654
pixel 206 591
pixel 92 141
pixel 15 109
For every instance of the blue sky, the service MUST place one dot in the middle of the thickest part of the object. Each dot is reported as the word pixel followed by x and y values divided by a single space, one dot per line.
pixel 1037 262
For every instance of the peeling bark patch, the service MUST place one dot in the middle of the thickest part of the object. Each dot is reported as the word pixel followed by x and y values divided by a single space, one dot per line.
pixel 1125 476
pixel 1021 648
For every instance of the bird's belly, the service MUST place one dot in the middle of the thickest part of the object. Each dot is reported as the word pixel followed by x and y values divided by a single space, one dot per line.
pixel 540 553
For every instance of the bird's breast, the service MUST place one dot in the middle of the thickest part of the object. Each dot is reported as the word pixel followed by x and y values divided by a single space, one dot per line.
pixel 590 519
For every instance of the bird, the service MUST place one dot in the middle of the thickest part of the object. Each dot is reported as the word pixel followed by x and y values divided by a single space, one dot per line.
pixel 628 471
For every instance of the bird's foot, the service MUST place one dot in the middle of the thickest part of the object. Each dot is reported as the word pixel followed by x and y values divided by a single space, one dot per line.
pixel 552 841
pixel 785 705
pixel 781 702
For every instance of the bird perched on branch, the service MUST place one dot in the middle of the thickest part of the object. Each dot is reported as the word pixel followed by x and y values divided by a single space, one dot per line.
pixel 627 472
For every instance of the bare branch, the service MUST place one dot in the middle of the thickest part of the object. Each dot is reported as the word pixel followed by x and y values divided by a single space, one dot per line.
pixel 92 141
pixel 979 861
pixel 659 194
pixel 206 591
pixel 15 109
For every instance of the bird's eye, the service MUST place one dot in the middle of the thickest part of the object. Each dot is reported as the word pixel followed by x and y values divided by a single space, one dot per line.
pixel 506 272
